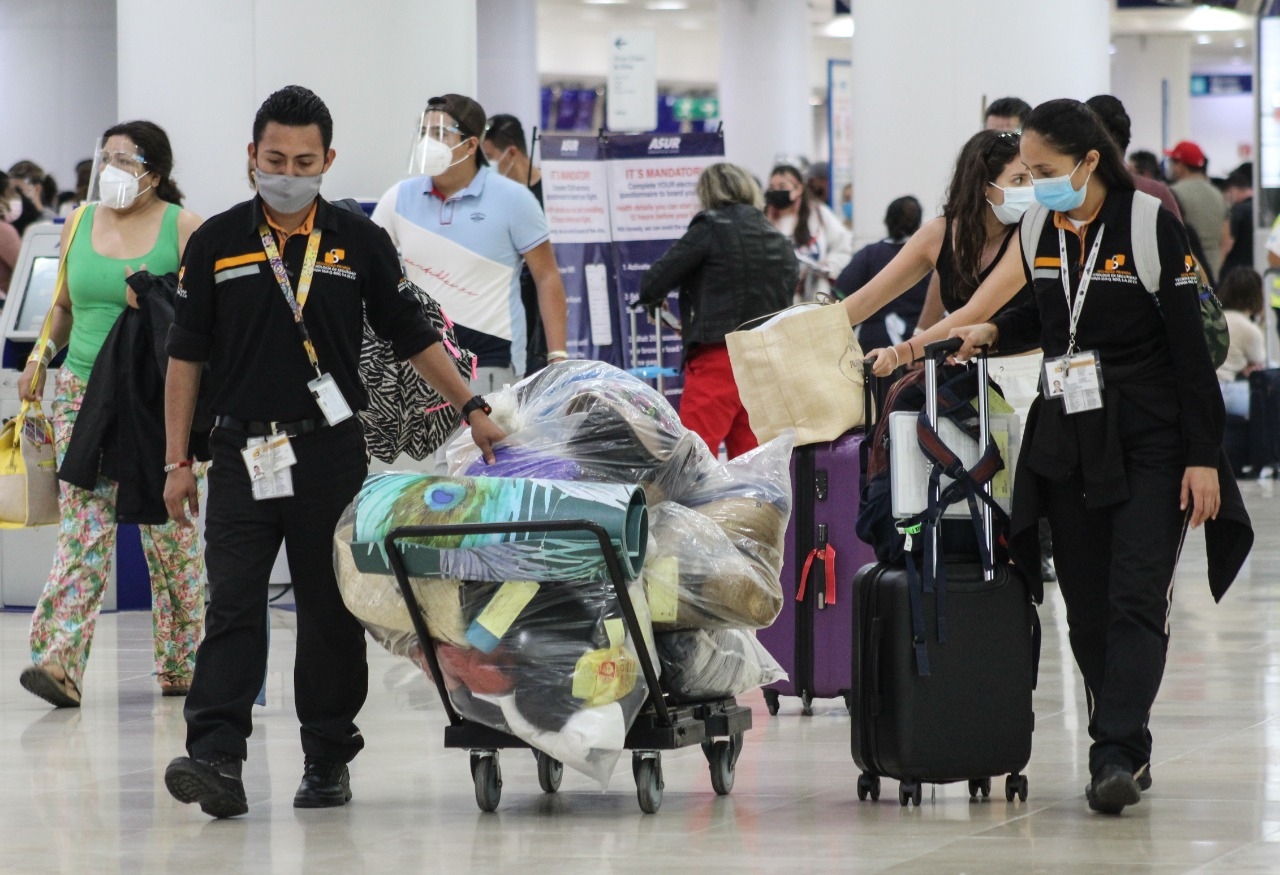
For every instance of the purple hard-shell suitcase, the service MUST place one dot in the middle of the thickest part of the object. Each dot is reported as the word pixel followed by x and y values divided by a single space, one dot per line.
pixel 813 636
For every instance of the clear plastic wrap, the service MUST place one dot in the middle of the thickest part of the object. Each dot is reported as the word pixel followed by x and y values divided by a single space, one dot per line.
pixel 551 663
pixel 615 427
pixel 714 663
pixel 716 565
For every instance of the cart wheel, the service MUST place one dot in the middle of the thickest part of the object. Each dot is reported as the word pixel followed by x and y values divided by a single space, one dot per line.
pixel 917 794
pixel 979 787
pixel 771 702
pixel 806 703
pixel 1015 785
pixel 649 783
pixel 488 781
pixel 708 750
pixel 722 767
pixel 868 786
pixel 550 771
pixel 736 739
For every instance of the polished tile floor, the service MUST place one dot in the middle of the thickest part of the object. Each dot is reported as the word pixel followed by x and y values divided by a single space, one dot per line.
pixel 83 790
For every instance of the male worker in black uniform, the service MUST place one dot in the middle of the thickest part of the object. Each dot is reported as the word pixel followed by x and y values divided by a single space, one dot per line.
pixel 270 296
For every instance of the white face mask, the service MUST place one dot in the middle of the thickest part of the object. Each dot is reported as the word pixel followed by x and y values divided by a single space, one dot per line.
pixel 1016 201
pixel 433 157
pixel 118 189
pixel 14 210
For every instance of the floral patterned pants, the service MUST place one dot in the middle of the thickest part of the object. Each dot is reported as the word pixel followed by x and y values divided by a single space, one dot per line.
pixel 63 623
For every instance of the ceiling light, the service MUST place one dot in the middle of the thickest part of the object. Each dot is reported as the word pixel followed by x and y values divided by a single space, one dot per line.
pixel 1111 49
pixel 605 2
pixel 1204 39
pixel 840 27
pixel 1240 44
pixel 666 5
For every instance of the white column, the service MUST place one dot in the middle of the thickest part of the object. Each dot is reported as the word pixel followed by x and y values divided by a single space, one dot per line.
pixel 201 68
pixel 507 60
pixel 765 49
pixel 57 66
pixel 1152 77
pixel 923 68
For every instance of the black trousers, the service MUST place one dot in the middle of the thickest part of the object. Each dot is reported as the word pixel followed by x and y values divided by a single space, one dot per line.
pixel 1115 570
pixel 330 675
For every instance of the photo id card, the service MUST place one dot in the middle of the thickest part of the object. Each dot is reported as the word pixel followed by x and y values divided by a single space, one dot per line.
pixel 329 397
pixel 1082 382
pixel 268 461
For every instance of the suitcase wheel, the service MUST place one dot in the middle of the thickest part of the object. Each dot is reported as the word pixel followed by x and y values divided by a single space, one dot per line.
pixel 771 702
pixel 806 703
pixel 1015 785
pixel 910 793
pixel 979 787
pixel 868 786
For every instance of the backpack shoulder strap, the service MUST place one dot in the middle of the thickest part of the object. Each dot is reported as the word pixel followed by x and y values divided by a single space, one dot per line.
pixel 1146 246
pixel 1032 225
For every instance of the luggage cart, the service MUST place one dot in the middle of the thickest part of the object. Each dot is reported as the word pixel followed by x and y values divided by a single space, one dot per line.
pixel 656 373
pixel 717 725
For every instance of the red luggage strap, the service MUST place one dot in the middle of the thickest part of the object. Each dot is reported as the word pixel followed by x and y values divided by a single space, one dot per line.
pixel 827 553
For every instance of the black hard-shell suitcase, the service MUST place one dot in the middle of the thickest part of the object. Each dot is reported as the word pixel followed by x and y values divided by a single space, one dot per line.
pixel 970 717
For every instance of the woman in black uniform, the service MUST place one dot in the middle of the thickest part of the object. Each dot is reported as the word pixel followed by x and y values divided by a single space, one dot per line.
pixel 1128 456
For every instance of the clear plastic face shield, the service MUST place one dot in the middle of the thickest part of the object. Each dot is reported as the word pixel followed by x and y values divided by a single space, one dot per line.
pixel 438 144
pixel 119 175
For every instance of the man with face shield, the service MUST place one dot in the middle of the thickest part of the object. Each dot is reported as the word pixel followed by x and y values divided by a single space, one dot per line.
pixel 271 296
pixel 463 232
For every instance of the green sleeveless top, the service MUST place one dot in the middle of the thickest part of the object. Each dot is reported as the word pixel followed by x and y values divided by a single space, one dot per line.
pixel 98 288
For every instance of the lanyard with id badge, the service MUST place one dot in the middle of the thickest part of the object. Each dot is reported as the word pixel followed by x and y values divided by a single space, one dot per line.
pixel 268 459
pixel 1076 377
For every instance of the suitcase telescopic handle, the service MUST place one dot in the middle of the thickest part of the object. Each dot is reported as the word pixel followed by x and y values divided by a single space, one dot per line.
pixel 934 354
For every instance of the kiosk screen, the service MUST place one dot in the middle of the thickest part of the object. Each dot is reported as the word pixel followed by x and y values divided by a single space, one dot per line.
pixel 37 298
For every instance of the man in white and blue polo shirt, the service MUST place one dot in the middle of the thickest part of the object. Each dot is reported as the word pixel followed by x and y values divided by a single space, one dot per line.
pixel 463 232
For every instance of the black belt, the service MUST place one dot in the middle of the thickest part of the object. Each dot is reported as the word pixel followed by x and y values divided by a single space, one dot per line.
pixel 261 429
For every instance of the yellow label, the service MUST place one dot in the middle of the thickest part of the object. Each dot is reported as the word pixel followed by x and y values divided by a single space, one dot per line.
pixel 507 603
pixel 662 586
pixel 995 403
pixel 604 676
pixel 1002 483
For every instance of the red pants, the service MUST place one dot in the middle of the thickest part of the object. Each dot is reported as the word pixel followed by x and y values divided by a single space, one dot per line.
pixel 710 406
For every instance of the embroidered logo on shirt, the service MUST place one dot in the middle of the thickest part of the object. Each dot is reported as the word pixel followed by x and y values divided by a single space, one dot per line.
pixel 477 217
pixel 1115 262
pixel 335 256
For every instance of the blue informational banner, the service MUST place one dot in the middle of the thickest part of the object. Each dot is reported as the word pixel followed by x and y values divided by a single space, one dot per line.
pixel 615 204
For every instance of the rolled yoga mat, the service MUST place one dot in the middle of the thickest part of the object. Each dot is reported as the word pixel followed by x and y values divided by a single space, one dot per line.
pixel 388 501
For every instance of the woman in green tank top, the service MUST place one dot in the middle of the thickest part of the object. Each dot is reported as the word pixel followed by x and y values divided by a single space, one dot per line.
pixel 137 223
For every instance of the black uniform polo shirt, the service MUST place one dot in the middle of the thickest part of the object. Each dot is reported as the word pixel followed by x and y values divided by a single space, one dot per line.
pixel 231 312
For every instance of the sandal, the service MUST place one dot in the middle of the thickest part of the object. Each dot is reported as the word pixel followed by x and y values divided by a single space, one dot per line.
pixel 61 692
pixel 172 685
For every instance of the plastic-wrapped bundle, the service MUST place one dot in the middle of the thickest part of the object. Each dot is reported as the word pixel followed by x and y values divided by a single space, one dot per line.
pixel 615 427
pixel 387 501
pixel 714 663
pixel 716 565
pixel 551 663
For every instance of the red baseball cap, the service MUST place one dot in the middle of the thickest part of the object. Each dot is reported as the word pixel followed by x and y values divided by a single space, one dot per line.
pixel 1187 153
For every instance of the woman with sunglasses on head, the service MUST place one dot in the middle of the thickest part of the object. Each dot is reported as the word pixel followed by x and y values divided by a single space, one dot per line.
pixel 1130 454
pixel 989 191
pixel 134 223
pixel 822 243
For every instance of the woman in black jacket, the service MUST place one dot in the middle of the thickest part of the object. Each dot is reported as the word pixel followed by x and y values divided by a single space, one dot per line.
pixel 731 266
pixel 1122 465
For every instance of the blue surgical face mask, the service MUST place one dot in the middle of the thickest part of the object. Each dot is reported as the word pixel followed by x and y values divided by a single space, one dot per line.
pixel 847 209
pixel 1058 193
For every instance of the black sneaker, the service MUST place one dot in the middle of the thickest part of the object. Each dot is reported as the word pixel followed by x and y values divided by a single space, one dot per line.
pixel 1143 777
pixel 213 781
pixel 1112 789
pixel 325 784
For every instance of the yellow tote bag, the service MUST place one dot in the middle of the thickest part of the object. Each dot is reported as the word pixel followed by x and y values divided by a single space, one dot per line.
pixel 28 470
pixel 28 456
pixel 800 370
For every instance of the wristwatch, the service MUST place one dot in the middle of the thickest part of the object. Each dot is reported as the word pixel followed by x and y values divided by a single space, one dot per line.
pixel 477 402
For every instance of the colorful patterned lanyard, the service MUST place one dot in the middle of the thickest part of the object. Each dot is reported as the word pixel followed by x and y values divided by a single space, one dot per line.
pixel 296 303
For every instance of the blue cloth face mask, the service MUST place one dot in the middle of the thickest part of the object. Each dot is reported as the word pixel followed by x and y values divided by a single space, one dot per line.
pixel 1058 193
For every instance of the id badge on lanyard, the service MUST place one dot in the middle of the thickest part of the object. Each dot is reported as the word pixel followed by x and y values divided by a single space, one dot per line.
pixel 1076 377
pixel 323 388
